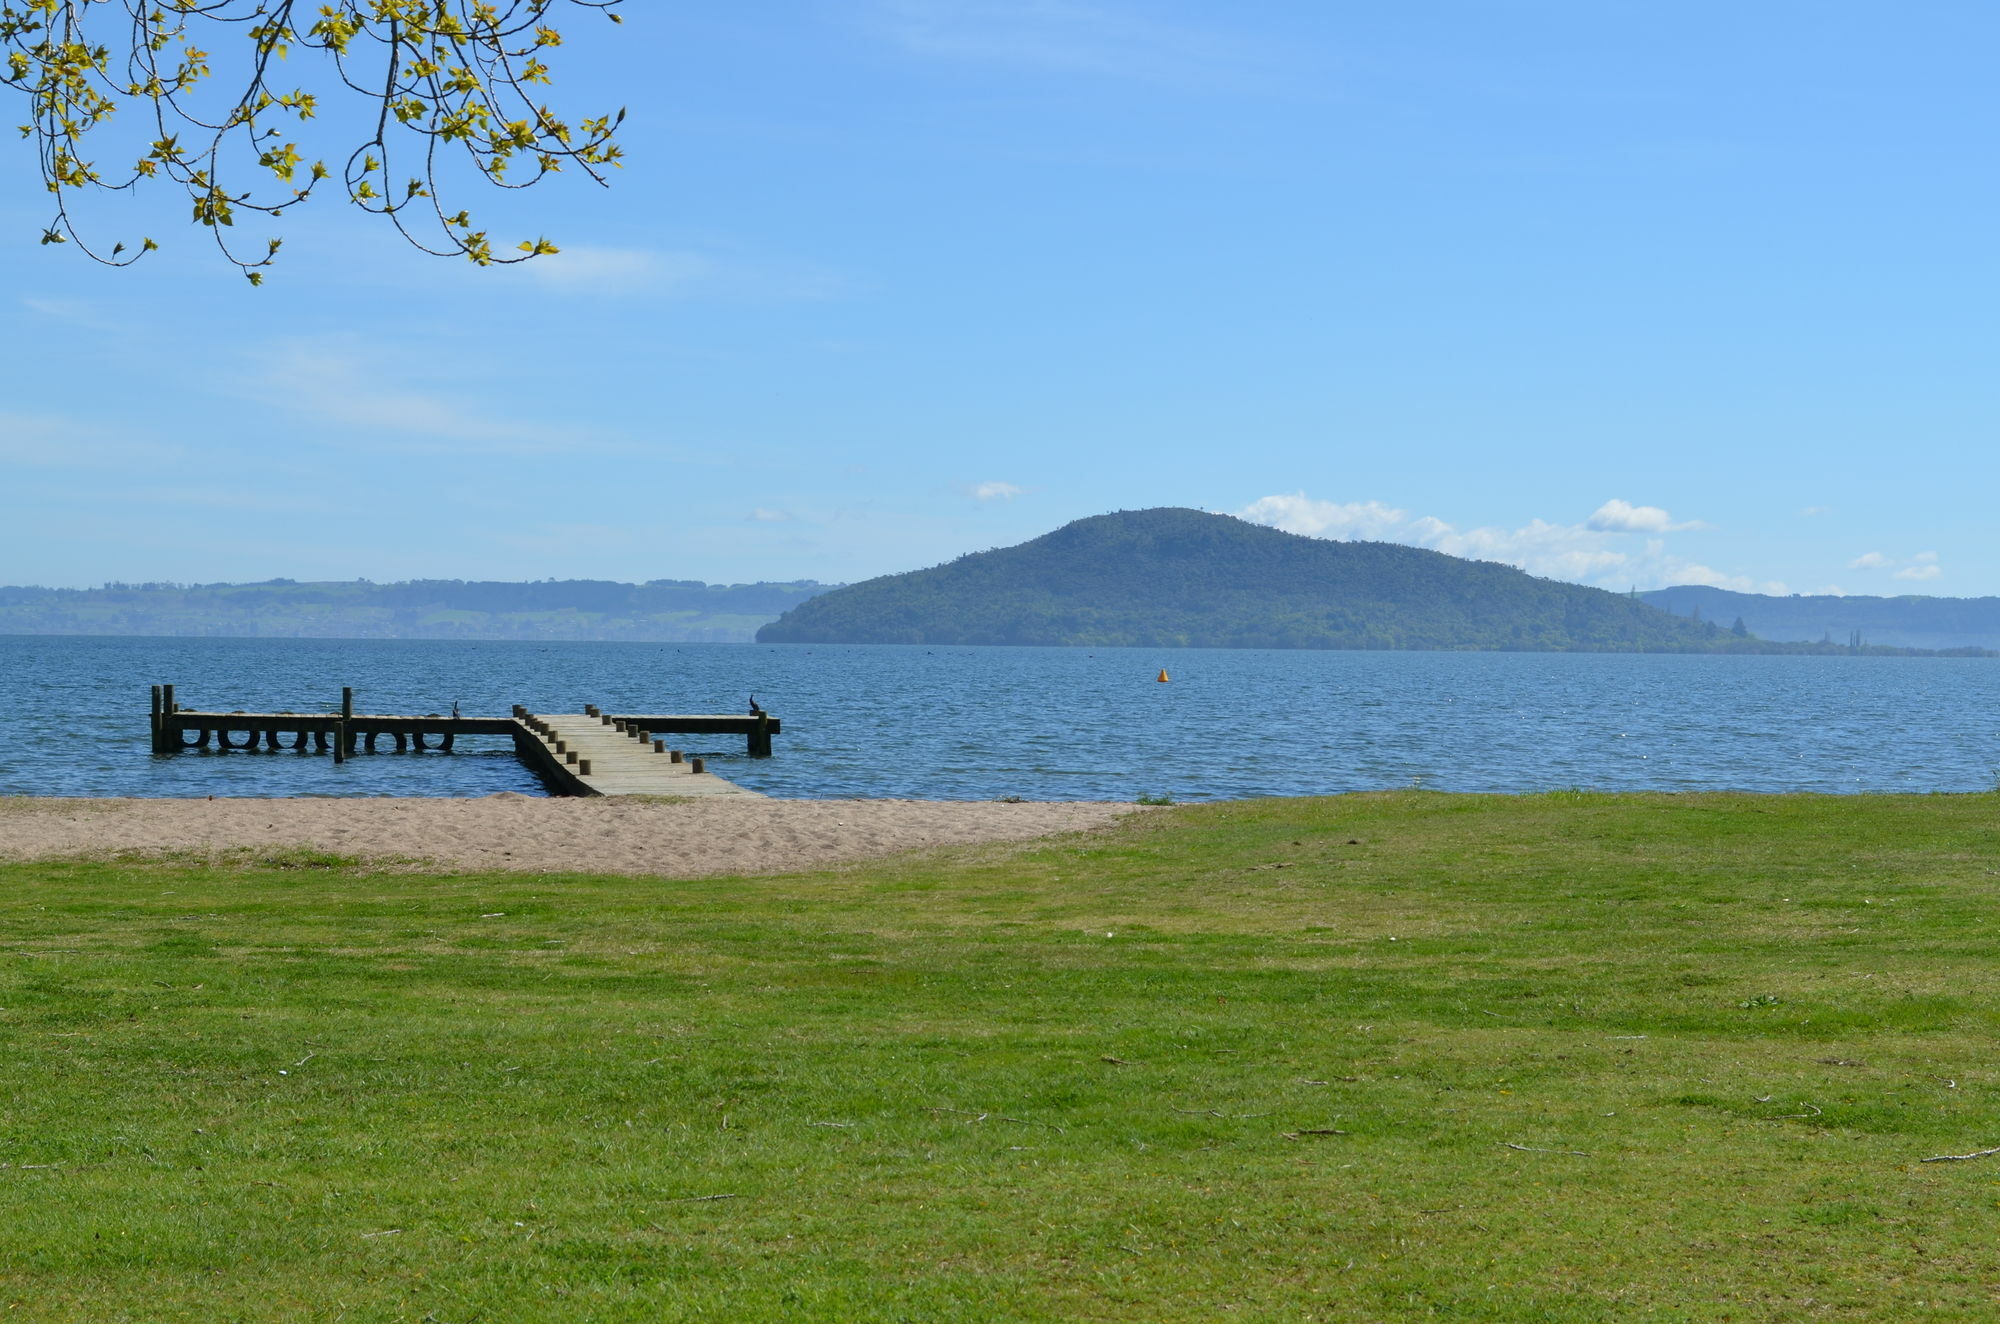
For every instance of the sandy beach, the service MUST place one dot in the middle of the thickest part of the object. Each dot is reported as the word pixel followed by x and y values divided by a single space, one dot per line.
pixel 535 835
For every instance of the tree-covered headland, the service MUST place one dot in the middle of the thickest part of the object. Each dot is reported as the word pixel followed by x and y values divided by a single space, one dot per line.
pixel 1174 577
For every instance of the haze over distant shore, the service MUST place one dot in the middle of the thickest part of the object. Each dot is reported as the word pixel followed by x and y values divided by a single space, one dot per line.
pixel 658 611
pixel 1158 578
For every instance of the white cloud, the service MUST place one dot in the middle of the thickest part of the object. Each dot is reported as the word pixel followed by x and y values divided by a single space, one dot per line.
pixel 657 273
pixel 1690 572
pixel 1924 565
pixel 996 491
pixel 77 312
pixel 1810 511
pixel 334 380
pixel 1557 551
pixel 1299 513
pixel 1599 551
pixel 765 515
pixel 586 269
pixel 1616 516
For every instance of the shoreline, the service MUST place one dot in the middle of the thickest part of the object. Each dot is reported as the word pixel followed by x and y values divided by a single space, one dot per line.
pixel 511 832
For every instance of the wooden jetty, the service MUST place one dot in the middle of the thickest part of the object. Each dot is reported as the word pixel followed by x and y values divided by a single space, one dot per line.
pixel 586 753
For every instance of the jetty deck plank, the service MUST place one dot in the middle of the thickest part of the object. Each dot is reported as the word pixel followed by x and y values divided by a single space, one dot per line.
pixel 622 765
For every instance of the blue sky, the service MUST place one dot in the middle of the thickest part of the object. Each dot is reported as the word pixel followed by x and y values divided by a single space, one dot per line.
pixel 1622 293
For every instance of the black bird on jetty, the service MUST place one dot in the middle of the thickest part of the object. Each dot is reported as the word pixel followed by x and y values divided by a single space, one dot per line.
pixel 754 709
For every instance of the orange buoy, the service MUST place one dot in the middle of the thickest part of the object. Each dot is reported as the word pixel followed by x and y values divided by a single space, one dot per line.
pixel 1163 675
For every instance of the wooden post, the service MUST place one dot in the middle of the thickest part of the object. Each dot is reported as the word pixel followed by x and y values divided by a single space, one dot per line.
pixel 673 756
pixel 340 741
pixel 696 765
pixel 159 745
pixel 760 737
pixel 583 767
pixel 346 703
pixel 659 746
pixel 569 756
pixel 167 698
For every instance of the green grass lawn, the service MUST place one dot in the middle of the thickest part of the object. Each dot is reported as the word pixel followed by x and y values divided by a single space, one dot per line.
pixel 1565 1057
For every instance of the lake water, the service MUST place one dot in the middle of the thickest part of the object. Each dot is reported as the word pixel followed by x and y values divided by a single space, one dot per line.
pixel 1043 723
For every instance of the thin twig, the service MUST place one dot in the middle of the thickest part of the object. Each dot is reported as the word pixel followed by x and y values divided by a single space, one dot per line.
pixel 385 1232
pixel 1530 1149
pixel 1028 1121
pixel 702 1199
pixel 1960 1158
pixel 1314 1131
pixel 1786 1117
pixel 1018 1121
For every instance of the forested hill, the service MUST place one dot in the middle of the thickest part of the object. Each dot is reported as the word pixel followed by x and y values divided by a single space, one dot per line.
pixel 663 610
pixel 1909 621
pixel 1173 578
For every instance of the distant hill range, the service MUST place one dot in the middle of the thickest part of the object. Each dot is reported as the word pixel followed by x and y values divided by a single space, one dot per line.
pixel 1154 578
pixel 1905 622
pixel 1186 578
pixel 663 610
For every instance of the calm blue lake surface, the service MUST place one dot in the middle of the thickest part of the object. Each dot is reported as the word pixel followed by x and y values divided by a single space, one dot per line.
pixel 1044 723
